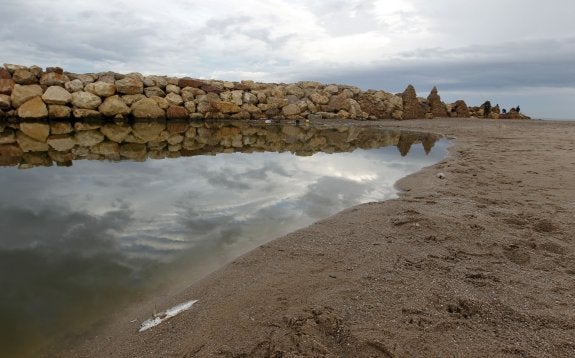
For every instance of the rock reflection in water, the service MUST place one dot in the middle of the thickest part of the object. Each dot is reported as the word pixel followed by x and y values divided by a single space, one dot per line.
pixel 32 144
pixel 76 242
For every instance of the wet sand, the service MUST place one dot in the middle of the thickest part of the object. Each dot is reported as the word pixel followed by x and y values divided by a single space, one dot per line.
pixel 480 263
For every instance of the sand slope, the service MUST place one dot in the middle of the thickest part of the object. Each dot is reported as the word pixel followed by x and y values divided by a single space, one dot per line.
pixel 479 264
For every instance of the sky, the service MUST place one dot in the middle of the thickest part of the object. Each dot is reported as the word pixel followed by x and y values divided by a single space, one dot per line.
pixel 511 52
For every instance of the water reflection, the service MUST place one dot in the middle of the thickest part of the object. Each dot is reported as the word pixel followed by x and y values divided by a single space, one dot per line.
pixel 76 242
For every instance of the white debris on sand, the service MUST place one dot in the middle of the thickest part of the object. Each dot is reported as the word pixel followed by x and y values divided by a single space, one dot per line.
pixel 165 315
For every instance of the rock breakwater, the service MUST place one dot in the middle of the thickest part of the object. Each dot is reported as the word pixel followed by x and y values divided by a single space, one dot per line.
pixel 36 93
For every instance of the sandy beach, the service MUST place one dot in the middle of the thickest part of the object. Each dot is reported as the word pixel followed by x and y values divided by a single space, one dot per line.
pixel 477 263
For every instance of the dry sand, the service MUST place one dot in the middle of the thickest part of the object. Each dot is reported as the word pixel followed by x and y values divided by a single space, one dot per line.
pixel 478 264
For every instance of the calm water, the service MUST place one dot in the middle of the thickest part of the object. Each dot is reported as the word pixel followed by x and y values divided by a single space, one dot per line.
pixel 77 241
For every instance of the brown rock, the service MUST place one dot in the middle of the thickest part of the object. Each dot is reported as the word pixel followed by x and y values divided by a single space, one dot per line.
pixel 102 89
pixel 12 68
pixel 147 108
pixel 190 82
pixel 4 74
pixel 10 154
pixel 89 138
pixel 56 95
pixel 291 110
pixel 87 125
pixel 177 126
pixel 60 127
pixel 58 70
pixel 5 102
pixel 116 133
pixel 174 99
pixel 130 99
pixel 226 107
pixel 83 113
pixel 130 85
pixel 61 142
pixel 54 79
pixel 113 106
pixel 21 94
pixel 59 111
pixel 460 109
pixel 24 77
pixel 161 102
pixel 134 151
pixel 337 103
pixel 7 136
pixel 34 108
pixel 148 130
pixel 154 91
pixel 437 108
pixel 36 130
pixel 6 86
pixel 412 109
pixel 176 112
pixel 61 157
pixel 107 149
pixel 30 144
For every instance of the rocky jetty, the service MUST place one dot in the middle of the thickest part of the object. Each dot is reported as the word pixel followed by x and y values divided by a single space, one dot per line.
pixel 38 143
pixel 35 93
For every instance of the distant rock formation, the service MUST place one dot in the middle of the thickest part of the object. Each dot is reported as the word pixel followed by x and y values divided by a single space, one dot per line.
pixel 436 107
pixel 412 108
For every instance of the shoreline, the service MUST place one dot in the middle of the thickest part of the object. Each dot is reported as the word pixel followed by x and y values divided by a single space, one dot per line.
pixel 480 263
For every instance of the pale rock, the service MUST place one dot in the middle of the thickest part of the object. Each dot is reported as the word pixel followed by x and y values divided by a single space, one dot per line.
pixel 21 94
pixel 61 157
pixel 149 81
pixel 161 102
pixel 250 98
pixel 147 108
pixel 61 142
pixel 89 138
pixel 59 111
pixel 24 77
pixel 129 85
pixel 116 133
pixel 135 151
pixel 86 78
pixel 172 88
pixel 132 98
pixel 34 108
pixel 61 127
pixel 278 91
pixel 74 86
pixel 82 113
pixel 319 97
pixel 113 106
pixel 85 100
pixel 102 89
pixel 5 102
pixel 13 68
pixel 188 94
pixel 154 91
pixel 174 99
pixel 295 90
pixel 237 97
pixel 28 144
pixel 87 125
pixel 190 106
pixel 276 102
pixel 54 79
pixel 333 89
pixel 56 95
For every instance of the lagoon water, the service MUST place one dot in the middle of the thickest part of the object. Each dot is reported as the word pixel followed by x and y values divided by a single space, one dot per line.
pixel 78 241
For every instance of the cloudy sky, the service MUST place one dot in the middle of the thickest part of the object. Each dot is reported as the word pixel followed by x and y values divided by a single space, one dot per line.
pixel 513 52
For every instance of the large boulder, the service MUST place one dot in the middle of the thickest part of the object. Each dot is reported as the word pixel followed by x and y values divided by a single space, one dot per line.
pixel 226 107
pixel 116 133
pixel 75 85
pixel 21 94
pixel 460 109
pixel 61 142
pixel 59 111
pixel 177 112
pixel 113 106
pixel 34 108
pixel 148 130
pixel 89 138
pixel 53 79
pixel 291 110
pixel 412 109
pixel 56 95
pixel 129 85
pixel 35 130
pixel 85 100
pixel 102 89
pixel 147 108
pixel 189 82
pixel 29 144
pixel 24 77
